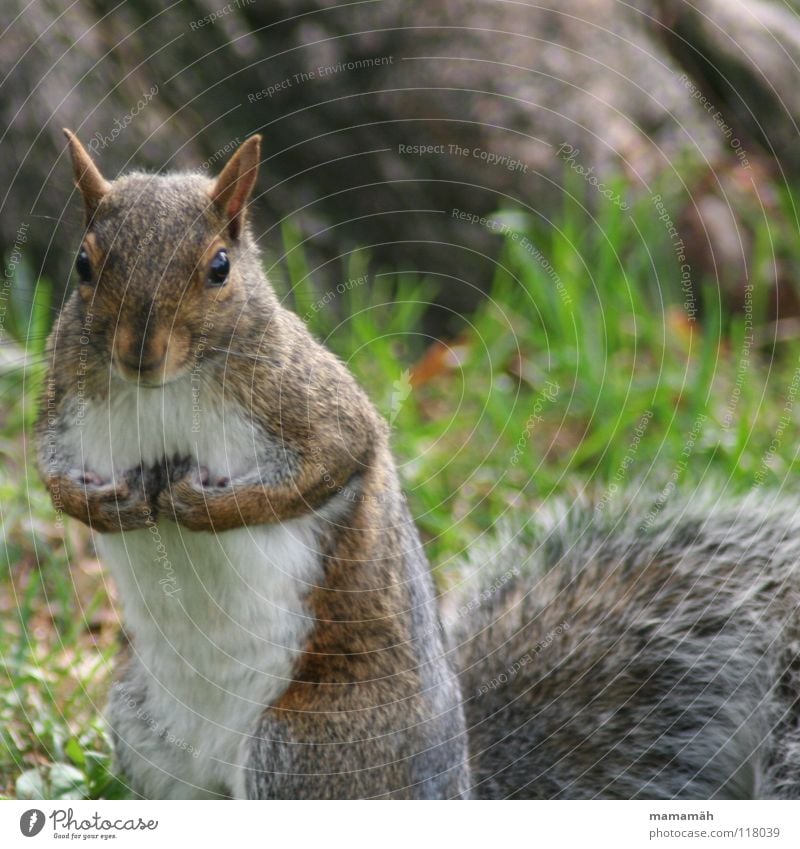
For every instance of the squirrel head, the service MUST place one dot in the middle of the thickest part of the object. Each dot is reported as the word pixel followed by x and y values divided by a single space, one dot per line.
pixel 166 264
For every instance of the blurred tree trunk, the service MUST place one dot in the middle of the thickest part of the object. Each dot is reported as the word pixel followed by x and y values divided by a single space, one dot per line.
pixel 342 93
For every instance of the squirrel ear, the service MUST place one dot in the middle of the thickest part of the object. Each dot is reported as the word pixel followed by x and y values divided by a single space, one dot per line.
pixel 90 182
pixel 234 184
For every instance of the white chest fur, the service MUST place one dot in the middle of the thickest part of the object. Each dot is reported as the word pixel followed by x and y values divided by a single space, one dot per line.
pixel 144 425
pixel 216 621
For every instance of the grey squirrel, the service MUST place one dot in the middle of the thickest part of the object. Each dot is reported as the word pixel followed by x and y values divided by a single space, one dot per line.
pixel 282 632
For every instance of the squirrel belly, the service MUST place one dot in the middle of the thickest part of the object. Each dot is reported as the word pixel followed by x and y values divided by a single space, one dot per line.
pixel 217 624
pixel 216 621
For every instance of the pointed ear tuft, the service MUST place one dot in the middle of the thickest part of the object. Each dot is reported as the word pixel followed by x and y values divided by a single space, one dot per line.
pixel 90 182
pixel 232 189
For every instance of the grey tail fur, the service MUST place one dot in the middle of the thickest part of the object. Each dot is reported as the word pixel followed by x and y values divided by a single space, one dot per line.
pixel 641 650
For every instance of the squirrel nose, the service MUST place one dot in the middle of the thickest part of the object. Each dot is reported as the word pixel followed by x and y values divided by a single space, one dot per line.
pixel 140 356
pixel 142 364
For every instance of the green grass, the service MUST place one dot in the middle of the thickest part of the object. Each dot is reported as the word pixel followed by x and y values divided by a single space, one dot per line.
pixel 584 376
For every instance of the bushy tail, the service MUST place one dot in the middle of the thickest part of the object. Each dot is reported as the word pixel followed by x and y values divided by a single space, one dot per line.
pixel 641 650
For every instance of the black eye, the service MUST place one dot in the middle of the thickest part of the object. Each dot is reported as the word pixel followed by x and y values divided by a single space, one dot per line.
pixel 219 268
pixel 83 266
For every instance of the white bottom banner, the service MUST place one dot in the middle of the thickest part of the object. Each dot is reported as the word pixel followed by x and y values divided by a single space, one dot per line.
pixel 403 824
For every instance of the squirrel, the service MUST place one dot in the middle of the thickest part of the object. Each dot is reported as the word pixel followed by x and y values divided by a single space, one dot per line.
pixel 282 623
pixel 282 635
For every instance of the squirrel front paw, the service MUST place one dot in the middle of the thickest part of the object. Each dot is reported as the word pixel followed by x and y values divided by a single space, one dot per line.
pixel 106 506
pixel 201 503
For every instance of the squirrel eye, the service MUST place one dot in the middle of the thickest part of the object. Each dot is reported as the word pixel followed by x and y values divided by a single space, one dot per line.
pixel 83 266
pixel 219 268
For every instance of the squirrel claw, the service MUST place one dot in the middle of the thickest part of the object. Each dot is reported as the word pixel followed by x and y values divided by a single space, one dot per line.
pixel 90 479
pixel 110 492
pixel 96 488
pixel 206 482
